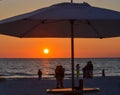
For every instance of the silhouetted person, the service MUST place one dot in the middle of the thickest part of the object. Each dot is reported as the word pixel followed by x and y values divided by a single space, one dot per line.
pixel 103 72
pixel 77 71
pixel 85 71
pixel 59 75
pixel 39 74
pixel 90 68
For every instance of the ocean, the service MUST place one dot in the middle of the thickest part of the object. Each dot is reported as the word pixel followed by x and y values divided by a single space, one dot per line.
pixel 28 67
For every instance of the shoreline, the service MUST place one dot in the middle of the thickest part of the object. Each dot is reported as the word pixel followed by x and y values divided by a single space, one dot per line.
pixel 52 78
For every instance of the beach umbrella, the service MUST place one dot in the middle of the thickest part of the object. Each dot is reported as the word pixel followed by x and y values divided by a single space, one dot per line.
pixel 64 20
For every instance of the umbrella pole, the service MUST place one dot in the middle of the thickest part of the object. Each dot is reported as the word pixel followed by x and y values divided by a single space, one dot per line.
pixel 72 52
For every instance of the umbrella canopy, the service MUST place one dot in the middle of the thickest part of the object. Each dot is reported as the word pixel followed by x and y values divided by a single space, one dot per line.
pixel 64 20
pixel 54 21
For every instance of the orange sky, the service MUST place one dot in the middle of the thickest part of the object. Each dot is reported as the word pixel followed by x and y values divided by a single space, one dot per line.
pixel 24 47
pixel 12 47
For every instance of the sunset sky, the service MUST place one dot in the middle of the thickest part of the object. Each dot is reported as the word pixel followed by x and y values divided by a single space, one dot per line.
pixel 13 47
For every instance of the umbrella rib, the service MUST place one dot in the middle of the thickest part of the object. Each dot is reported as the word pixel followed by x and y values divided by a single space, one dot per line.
pixel 94 29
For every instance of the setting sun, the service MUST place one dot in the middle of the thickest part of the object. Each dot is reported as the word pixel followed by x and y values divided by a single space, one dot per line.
pixel 46 51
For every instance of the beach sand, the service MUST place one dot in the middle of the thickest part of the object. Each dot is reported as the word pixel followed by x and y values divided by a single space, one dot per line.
pixel 109 85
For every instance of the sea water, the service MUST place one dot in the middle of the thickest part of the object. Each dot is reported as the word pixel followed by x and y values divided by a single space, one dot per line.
pixel 28 67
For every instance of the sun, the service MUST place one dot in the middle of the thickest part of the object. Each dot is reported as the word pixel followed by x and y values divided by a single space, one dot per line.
pixel 46 51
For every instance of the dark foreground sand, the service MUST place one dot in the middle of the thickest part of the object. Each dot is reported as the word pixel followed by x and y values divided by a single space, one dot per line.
pixel 32 86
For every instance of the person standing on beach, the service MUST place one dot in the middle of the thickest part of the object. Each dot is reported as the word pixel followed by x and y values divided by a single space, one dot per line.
pixel 59 75
pixel 90 67
pixel 85 71
pixel 77 71
pixel 39 74
pixel 103 72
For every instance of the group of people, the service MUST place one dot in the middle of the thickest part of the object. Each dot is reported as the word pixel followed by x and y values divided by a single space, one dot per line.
pixel 88 70
pixel 59 73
